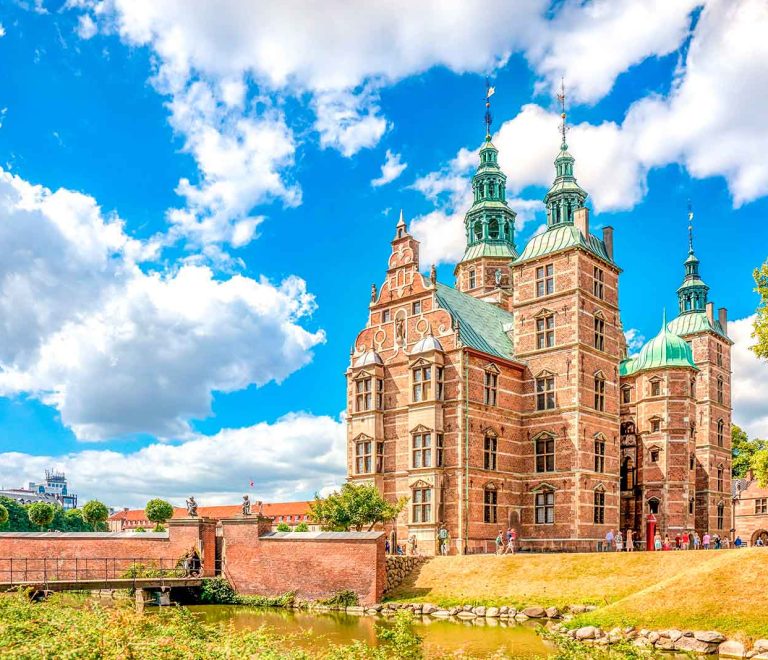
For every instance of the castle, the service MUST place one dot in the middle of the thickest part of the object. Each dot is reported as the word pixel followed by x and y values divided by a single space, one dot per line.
pixel 509 400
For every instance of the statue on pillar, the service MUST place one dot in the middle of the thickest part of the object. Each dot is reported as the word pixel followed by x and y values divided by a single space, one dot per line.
pixel 191 507
pixel 246 505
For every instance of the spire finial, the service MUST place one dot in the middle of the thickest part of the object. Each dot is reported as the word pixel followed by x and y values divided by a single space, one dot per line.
pixel 664 318
pixel 401 221
pixel 489 92
pixel 561 99
pixel 690 227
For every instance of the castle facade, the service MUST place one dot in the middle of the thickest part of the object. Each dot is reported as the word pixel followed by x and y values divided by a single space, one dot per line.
pixel 508 399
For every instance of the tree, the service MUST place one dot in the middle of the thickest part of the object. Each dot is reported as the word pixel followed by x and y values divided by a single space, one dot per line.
pixel 354 507
pixel 760 467
pixel 41 514
pixel 301 527
pixel 158 511
pixel 743 449
pixel 283 527
pixel 760 325
pixel 73 521
pixel 3 515
pixel 95 514
pixel 18 520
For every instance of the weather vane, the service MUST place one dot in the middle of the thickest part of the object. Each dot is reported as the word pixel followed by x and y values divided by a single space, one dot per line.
pixel 561 99
pixel 690 227
pixel 489 92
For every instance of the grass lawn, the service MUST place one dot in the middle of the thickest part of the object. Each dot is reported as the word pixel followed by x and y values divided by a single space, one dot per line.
pixel 723 590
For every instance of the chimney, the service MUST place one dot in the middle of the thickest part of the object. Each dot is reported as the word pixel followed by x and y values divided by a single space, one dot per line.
pixel 608 240
pixel 711 313
pixel 581 220
pixel 749 476
pixel 722 316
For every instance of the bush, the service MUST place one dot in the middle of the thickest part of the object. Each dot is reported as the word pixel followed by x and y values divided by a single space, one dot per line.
pixel 283 527
pixel 41 514
pixel 301 527
pixel 140 530
pixel 218 591
pixel 345 598
pixel 158 511
pixel 3 515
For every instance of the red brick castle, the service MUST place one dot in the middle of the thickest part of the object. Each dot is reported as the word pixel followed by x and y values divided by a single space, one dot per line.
pixel 509 399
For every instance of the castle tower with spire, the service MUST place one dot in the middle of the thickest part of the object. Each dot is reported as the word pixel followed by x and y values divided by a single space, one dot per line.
pixel 509 401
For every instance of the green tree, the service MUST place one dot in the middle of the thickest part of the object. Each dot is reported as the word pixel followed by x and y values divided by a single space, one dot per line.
pixel 283 527
pixel 158 511
pixel 760 467
pixel 3 515
pixel 743 450
pixel 41 514
pixel 18 521
pixel 95 514
pixel 73 520
pixel 760 326
pixel 301 527
pixel 354 507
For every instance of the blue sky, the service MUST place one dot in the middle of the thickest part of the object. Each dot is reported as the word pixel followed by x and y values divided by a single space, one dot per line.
pixel 194 203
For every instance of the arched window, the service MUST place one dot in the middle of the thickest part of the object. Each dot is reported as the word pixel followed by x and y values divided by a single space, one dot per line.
pixel 545 453
pixel 653 505
pixel 720 515
pixel 478 231
pixel 720 396
pixel 720 473
pixel 490 504
pixel 493 229
pixel 691 505
pixel 720 432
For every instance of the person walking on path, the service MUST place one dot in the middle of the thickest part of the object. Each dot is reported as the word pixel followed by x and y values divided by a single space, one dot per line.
pixel 608 541
pixel 442 535
pixel 685 541
pixel 657 542
pixel 696 541
pixel 619 541
pixel 499 542
pixel 705 541
pixel 511 538
pixel 630 540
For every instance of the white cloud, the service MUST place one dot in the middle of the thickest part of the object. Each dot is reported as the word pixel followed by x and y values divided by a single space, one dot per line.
pixel 750 374
pixel 634 339
pixel 116 349
pixel 2 30
pixel 392 168
pixel 287 460
pixel 348 122
pixel 86 27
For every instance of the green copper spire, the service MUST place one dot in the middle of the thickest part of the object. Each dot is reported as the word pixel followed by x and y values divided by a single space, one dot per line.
pixel 692 294
pixel 489 223
pixel 565 195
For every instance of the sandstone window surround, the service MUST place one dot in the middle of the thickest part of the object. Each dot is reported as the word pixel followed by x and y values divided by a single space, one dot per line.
pixel 599 505
pixel 655 423
pixel 472 278
pixel 491 385
pixel 545 280
pixel 655 387
pixel 490 504
pixel 720 515
pixel 599 452
pixel 385 316
pixel 626 394
pixel 544 505
pixel 599 339
pixel 719 355
pixel 720 395
pixel 427 381
pixel 545 329
pixel 416 307
pixel 720 433
pixel 761 506
pixel 421 450
pixel 600 391
pixel 545 391
pixel 490 448
pixel 363 454
pixel 654 454
pixel 597 283
pixel 720 480
pixel 421 503
pixel 544 445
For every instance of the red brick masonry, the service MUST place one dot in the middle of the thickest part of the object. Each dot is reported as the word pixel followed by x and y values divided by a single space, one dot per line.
pixel 313 564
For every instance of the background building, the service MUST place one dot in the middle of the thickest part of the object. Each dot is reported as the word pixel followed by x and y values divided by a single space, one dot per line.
pixel 750 510
pixel 53 489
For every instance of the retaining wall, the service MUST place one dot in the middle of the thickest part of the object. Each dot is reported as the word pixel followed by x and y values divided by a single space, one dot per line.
pixel 400 567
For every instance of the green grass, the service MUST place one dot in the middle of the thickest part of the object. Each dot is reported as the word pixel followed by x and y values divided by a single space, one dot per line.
pixel 722 590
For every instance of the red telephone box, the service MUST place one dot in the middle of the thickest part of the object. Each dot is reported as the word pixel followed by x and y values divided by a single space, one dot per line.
pixel 650 531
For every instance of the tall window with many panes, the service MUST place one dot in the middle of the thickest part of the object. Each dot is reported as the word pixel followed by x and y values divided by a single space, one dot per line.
pixel 599 393
pixel 599 333
pixel 545 393
pixel 363 456
pixel 490 389
pixel 490 505
pixel 545 331
pixel 421 505
pixel 421 450
pixel 422 383
pixel 598 282
pixel 545 507
pixel 545 454
pixel 545 280
pixel 599 455
pixel 490 446
pixel 599 507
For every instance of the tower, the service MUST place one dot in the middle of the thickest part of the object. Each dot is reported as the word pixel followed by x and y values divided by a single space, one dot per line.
pixel 489 224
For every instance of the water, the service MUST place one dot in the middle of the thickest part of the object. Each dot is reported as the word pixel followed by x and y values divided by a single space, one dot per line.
pixel 322 629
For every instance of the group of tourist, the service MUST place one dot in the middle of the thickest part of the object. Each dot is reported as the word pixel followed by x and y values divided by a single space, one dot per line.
pixel 505 542
pixel 681 541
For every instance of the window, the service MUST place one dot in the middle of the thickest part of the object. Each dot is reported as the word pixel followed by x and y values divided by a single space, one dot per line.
pixel 761 505
pixel 691 506
pixel 363 394
pixel 363 456
pixel 692 462
pixel 416 307
pixel 719 389
pixel 597 287
pixel 545 281
pixel 655 387
pixel 654 455
pixel 422 378
pixel 385 316
pixel 693 388
pixel 379 457
pixel 493 229
pixel 720 512
pixel 422 505
pixel 490 500
pixel 720 479
pixel 489 452
pixel 599 393
pixel 545 507
pixel 472 279
pixel 421 445
pixel 439 389
pixel 545 454
pixel 545 393
pixel 626 395
pixel 628 474
pixel 599 455
pixel 438 450
pixel 599 334
pixel 719 355
pixel 599 515
pixel 379 394
pixel 653 505
pixel 720 429
pixel 655 425
pixel 491 386
pixel 545 331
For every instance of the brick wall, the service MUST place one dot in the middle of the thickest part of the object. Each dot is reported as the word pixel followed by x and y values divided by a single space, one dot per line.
pixel 748 517
pixel 313 564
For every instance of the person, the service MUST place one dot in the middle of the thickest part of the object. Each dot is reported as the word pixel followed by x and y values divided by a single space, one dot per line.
pixel 759 542
pixel 608 541
pixel 705 541
pixel 630 540
pixel 657 542
pixel 725 542
pixel 511 538
pixel 678 541
pixel 412 544
pixel 716 542
pixel 386 546
pixel 400 550
pixel 685 540
pixel 192 563
pixel 499 542
pixel 443 536
pixel 667 543
pixel 737 543
pixel 619 541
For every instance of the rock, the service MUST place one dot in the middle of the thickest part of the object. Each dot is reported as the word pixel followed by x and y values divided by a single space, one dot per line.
pixel 577 609
pixel 467 608
pixel 370 611
pixel 492 612
pixel 480 611
pixel 504 609
pixel 730 648
pixel 440 614
pixel 641 642
pixel 511 611
pixel 428 609
pixel 760 646
pixel 552 613
pixel 694 645
pixel 454 610
pixel 653 637
pixel 644 633
pixel 587 632
pixel 521 617
pixel 466 615
pixel 710 636
pixel 535 612
pixel 674 635
pixel 665 644
pixel 355 609
pixel 378 607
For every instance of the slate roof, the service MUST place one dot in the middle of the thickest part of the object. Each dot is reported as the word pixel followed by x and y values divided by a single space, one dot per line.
pixel 562 237
pixel 692 322
pixel 481 324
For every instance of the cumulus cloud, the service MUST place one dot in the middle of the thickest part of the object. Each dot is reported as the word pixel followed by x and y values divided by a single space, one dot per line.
pixel 748 382
pixel 86 27
pixel 119 350
pixel 288 460
pixel 634 339
pixel 348 122
pixel 392 168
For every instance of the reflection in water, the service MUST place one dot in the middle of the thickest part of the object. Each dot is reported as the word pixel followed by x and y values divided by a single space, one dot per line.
pixel 478 638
